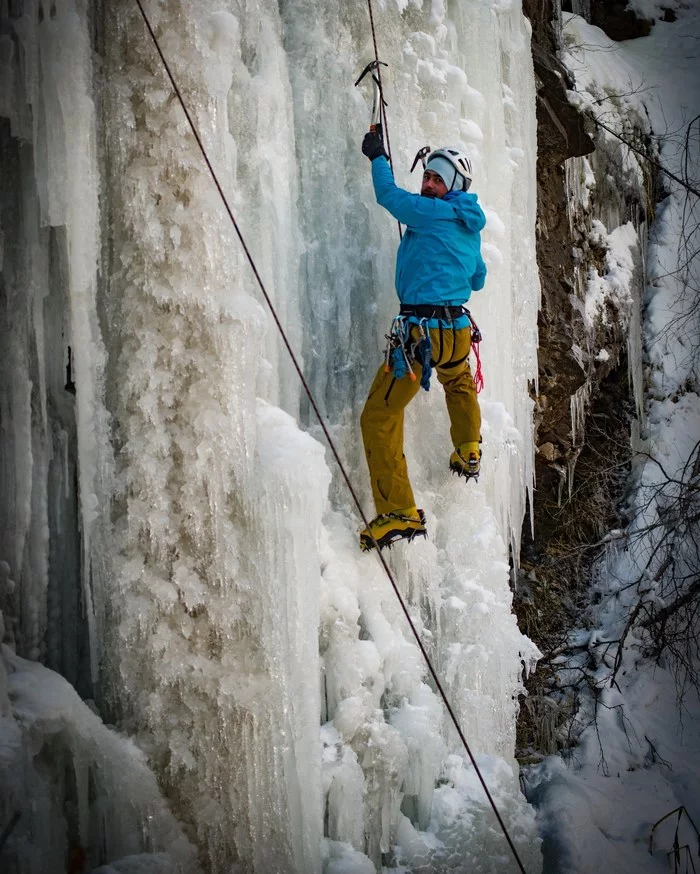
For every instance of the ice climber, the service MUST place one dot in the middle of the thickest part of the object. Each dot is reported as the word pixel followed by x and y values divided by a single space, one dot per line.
pixel 438 265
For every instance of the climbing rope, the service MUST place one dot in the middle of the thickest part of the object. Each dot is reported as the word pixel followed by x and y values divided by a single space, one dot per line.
pixel 327 434
pixel 379 79
pixel 385 123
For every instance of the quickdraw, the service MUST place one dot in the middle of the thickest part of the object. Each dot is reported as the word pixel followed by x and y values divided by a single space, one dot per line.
pixel 400 352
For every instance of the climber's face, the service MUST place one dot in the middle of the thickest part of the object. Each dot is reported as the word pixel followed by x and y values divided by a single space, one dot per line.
pixel 433 186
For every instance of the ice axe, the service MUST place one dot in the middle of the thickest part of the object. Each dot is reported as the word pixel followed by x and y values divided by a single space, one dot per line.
pixel 378 104
pixel 421 155
pixel 378 98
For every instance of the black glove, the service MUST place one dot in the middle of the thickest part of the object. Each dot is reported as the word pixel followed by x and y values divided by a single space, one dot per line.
pixel 372 145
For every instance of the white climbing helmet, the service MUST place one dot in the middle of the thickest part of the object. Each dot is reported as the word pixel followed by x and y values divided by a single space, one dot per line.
pixel 460 162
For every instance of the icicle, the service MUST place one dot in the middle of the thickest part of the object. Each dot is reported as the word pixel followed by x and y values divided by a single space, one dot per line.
pixel 579 409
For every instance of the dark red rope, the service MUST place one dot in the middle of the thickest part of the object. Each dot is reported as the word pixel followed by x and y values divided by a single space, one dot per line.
pixel 478 375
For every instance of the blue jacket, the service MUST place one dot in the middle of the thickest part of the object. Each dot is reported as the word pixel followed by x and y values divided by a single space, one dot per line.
pixel 439 260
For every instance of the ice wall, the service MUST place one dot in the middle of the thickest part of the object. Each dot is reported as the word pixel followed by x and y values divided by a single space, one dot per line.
pixel 49 284
pixel 229 601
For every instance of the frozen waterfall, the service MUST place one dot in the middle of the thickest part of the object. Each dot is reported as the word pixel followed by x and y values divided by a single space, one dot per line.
pixel 182 547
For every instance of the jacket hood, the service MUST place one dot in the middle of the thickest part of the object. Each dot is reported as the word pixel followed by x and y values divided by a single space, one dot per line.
pixel 467 209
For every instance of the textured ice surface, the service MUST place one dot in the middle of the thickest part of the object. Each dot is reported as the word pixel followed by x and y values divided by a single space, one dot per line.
pixel 230 606
pixel 152 863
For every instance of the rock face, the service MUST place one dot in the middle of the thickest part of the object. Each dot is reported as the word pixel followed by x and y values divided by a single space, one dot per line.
pixel 561 135
pixel 618 22
pixel 560 130
pixel 592 212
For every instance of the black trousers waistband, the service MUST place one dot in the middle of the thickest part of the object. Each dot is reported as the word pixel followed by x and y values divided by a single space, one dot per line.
pixel 431 311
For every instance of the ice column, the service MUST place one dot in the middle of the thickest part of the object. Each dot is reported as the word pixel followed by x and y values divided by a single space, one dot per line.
pixel 220 496
pixel 50 276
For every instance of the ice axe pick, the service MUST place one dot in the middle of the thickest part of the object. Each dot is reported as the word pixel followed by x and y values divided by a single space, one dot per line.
pixel 421 155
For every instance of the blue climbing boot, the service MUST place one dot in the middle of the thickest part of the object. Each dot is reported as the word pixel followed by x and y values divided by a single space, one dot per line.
pixel 390 527
pixel 466 461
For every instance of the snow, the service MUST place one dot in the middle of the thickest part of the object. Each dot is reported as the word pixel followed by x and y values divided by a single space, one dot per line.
pixel 230 612
pixel 614 285
pixel 636 755
pixel 652 9
pixel 44 722
pixel 460 809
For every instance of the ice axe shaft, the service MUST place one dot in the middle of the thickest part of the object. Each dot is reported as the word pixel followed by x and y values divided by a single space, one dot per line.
pixel 378 98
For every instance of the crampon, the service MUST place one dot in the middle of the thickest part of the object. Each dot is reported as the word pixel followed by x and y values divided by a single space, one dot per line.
pixel 466 461
pixel 391 527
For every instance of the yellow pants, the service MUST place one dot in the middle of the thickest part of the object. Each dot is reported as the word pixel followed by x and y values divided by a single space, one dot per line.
pixel 382 417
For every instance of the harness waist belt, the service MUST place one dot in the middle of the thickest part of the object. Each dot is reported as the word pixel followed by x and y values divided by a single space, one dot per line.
pixel 430 311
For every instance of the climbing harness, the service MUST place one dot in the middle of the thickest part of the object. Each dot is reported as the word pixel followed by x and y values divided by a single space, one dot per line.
pixel 405 345
pixel 324 426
